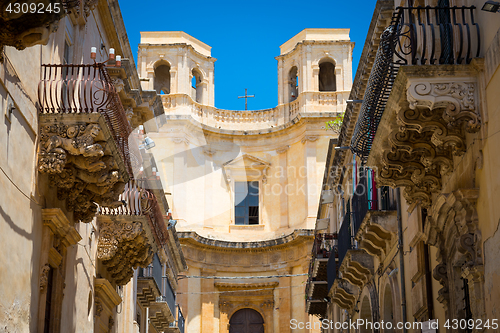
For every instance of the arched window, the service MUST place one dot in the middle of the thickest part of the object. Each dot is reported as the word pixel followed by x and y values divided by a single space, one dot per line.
pixel 293 84
pixel 246 321
pixel 327 80
pixel 162 79
pixel 196 85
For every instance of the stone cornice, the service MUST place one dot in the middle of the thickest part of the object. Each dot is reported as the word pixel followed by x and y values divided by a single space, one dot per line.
pixel 297 237
pixel 190 47
pixel 258 285
pixel 56 220
pixel 303 43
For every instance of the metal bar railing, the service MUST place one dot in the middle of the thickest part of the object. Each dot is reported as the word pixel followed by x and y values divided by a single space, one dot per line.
pixel 153 270
pixel 331 270
pixel 345 236
pixel 77 89
pixel 180 319
pixel 167 294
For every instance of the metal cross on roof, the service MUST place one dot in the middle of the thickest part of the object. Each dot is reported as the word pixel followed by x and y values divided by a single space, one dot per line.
pixel 246 98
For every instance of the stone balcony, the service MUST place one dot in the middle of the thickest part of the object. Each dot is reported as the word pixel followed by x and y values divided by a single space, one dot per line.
pixel 332 103
pixel 84 146
pixel 22 29
pixel 178 325
pixel 130 234
pixel 344 294
pixel 378 232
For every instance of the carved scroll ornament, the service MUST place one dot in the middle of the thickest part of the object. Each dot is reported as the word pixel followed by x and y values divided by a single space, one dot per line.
pixel 79 168
pixel 428 131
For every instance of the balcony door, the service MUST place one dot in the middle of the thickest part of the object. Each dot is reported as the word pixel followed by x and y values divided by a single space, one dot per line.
pixel 246 321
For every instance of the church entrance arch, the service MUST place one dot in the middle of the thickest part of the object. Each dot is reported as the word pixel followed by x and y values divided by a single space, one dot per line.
pixel 246 321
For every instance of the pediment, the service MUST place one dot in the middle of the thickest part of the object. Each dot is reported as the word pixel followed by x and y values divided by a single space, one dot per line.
pixel 246 167
pixel 246 161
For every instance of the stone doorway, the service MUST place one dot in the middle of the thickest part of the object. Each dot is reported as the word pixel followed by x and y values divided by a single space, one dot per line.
pixel 246 321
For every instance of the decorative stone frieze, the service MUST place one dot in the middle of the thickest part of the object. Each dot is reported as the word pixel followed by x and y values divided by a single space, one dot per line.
pixel 424 127
pixel 123 245
pixel 82 161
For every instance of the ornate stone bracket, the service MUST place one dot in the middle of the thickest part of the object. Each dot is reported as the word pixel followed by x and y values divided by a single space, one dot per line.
pixel 377 231
pixel 123 246
pixel 419 135
pixel 82 161
pixel 344 294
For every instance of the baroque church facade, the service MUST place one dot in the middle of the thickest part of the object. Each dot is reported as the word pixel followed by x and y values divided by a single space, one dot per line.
pixel 244 186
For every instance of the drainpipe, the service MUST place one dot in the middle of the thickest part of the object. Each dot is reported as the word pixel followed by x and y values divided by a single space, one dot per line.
pixel 401 258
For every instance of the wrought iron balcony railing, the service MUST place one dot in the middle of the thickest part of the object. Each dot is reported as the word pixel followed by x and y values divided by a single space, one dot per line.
pixel 331 271
pixel 345 235
pixel 362 201
pixel 139 201
pixel 416 36
pixel 167 295
pixel 82 89
pixel 179 321
pixel 323 245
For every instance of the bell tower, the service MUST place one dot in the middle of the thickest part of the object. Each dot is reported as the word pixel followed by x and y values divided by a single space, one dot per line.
pixel 173 62
pixel 314 60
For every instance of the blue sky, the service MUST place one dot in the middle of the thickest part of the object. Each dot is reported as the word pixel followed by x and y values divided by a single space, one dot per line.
pixel 245 36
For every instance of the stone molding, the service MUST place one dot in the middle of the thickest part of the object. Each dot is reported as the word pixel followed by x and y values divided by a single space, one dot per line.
pixel 56 220
pixel 72 154
pixel 105 300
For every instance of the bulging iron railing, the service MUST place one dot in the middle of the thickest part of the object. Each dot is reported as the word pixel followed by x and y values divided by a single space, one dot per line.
pixel 323 245
pixel 416 36
pixel 80 89
pixel 139 201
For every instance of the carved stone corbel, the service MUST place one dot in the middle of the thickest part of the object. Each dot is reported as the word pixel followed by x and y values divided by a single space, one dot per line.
pixel 123 246
pixel 72 153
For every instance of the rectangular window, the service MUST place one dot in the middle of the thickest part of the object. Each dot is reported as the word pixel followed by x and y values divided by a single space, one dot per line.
pixel 246 203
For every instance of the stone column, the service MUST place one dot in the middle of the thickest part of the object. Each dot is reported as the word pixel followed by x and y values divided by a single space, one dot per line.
pixel 297 301
pixel 283 181
pixel 312 195
pixel 284 301
pixel 194 301
pixel 208 300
